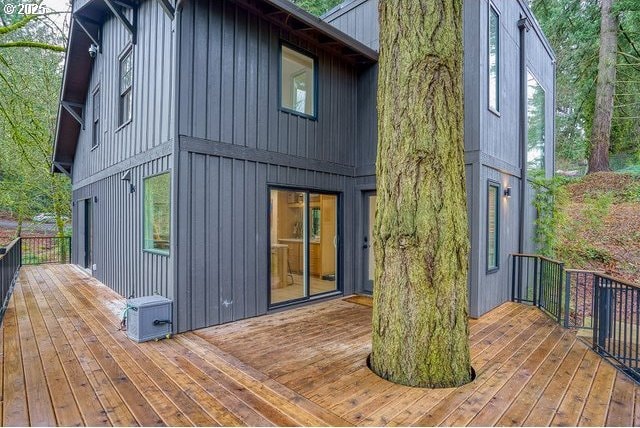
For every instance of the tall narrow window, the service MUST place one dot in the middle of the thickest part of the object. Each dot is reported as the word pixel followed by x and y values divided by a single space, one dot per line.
pixel 95 136
pixel 126 86
pixel 535 126
pixel 494 59
pixel 493 226
pixel 297 83
pixel 157 213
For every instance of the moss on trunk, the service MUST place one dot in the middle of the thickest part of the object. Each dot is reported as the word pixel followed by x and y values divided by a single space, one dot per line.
pixel 420 318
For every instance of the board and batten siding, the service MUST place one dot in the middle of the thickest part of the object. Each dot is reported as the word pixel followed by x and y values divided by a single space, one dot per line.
pixel 223 236
pixel 229 87
pixel 153 116
pixel 120 262
pixel 359 19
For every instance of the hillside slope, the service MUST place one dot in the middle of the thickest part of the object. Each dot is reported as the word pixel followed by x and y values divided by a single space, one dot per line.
pixel 600 228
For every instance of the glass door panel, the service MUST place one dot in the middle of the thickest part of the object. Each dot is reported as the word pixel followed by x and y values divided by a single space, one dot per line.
pixel 323 243
pixel 288 250
pixel 367 246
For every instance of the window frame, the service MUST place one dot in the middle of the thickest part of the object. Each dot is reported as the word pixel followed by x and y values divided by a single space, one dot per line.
pixel 307 190
pixel 495 110
pixel 95 120
pixel 492 184
pixel 533 75
pixel 166 253
pixel 128 50
pixel 315 79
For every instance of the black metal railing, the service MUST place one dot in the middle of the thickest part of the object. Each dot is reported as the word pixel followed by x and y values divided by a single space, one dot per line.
pixel 616 324
pixel 10 261
pixel 46 249
pixel 578 298
pixel 538 280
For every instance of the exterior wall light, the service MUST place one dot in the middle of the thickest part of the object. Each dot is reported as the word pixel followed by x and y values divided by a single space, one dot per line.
pixel 507 192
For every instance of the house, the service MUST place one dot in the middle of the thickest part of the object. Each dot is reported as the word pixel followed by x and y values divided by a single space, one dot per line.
pixel 222 153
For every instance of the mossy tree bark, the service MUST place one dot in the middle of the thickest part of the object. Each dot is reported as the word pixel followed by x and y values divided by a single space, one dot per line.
pixel 421 244
pixel 605 89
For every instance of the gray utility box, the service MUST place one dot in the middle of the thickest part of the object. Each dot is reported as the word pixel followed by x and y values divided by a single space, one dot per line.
pixel 148 318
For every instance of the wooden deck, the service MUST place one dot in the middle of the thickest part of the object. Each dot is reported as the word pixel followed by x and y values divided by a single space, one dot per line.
pixel 64 362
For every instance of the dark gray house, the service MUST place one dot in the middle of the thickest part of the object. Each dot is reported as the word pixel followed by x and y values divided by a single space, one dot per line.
pixel 222 152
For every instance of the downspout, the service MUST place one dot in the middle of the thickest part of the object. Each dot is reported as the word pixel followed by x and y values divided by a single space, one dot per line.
pixel 176 162
pixel 523 25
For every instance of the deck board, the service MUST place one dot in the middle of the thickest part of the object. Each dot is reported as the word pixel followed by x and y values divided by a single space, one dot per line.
pixel 63 361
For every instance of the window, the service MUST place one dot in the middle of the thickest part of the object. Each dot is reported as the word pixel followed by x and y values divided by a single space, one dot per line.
pixel 126 86
pixel 297 84
pixel 95 136
pixel 157 213
pixel 535 126
pixel 493 226
pixel 303 230
pixel 494 59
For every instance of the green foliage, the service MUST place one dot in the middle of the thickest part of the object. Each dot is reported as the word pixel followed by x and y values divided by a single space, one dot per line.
pixel 550 197
pixel 317 7
pixel 29 89
pixel 572 27
pixel 596 209
pixel 596 254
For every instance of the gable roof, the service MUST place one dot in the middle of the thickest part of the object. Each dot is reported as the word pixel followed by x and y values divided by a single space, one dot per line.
pixel 77 69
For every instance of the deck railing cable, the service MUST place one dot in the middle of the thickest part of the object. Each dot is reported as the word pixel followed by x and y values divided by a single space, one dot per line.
pixel 538 281
pixel 583 299
pixel 615 321
pixel 10 262
pixel 38 250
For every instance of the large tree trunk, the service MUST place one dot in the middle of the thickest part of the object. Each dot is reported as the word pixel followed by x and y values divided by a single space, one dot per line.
pixel 420 325
pixel 601 127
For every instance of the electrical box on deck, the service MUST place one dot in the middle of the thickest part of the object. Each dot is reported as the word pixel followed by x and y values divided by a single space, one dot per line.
pixel 149 318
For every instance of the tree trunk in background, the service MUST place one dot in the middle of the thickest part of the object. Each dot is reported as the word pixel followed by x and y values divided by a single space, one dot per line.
pixel 601 127
pixel 420 325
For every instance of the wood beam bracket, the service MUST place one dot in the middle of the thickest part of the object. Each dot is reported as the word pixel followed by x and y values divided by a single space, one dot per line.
pixel 70 108
pixel 131 25
pixel 168 8
pixel 64 168
pixel 85 24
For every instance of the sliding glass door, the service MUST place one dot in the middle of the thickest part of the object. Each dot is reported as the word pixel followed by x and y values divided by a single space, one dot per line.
pixel 303 245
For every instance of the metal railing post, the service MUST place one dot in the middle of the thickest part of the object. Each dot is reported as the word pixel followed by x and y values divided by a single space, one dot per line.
pixel 567 299
pixel 536 281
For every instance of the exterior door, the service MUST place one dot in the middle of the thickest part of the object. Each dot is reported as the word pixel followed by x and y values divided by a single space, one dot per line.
pixel 88 234
pixel 303 229
pixel 369 213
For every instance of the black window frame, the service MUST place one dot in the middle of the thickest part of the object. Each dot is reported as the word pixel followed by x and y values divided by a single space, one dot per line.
pixel 313 57
pixel 96 132
pixel 123 92
pixel 493 10
pixel 155 251
pixel 492 184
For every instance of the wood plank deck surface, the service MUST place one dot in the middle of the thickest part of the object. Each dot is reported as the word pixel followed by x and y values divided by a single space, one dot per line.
pixel 63 361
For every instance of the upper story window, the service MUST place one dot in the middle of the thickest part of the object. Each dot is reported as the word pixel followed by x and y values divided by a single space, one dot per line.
pixel 297 82
pixel 493 226
pixel 95 136
pixel 494 59
pixel 535 126
pixel 126 87
pixel 157 213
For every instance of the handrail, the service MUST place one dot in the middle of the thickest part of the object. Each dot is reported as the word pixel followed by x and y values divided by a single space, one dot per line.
pixel 595 272
pixel 9 247
pixel 538 256
pixel 618 280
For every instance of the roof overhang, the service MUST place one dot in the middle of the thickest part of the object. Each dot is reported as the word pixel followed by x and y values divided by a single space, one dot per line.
pixel 312 29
